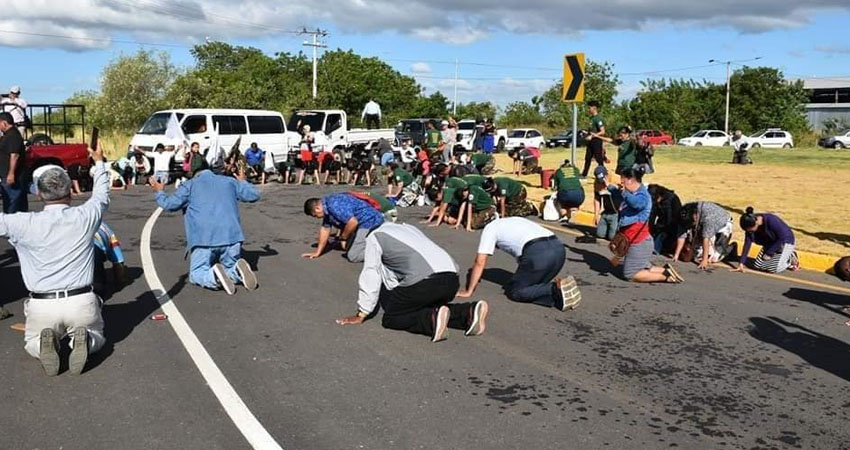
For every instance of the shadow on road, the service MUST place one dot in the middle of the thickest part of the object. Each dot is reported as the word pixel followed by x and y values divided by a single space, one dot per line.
pixel 595 261
pixel 817 349
pixel 827 300
pixel 253 256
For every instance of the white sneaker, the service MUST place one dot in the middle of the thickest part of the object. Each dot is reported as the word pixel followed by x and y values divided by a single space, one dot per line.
pixel 248 277
pixel 223 279
pixel 479 316
pixel 569 293
pixel 441 325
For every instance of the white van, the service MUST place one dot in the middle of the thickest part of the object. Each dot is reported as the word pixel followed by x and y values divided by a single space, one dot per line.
pixel 266 128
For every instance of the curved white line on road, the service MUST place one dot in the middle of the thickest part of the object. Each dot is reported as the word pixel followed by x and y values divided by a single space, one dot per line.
pixel 248 425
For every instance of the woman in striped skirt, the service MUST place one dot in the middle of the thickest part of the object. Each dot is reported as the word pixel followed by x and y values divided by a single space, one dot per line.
pixel 775 237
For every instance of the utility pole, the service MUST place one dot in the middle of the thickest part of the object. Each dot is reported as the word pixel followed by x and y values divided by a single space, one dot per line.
pixel 315 44
pixel 728 85
pixel 454 104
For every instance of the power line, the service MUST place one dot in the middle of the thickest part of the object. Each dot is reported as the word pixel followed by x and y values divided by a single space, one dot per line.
pixel 91 39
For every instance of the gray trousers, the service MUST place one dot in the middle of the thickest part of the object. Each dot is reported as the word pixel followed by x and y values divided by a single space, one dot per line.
pixel 357 248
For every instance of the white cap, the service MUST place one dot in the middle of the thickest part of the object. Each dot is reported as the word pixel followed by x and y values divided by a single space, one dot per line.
pixel 445 122
pixel 15 90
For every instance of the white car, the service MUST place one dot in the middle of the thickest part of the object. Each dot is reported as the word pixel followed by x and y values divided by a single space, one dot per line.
pixel 467 133
pixel 772 137
pixel 710 138
pixel 525 137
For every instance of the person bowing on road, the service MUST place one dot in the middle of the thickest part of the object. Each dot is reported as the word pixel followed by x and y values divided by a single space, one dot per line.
pixel 214 237
pixel 353 216
pixel 413 280
pixel 540 256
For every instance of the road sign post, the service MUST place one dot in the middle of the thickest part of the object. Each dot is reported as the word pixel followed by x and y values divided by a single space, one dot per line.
pixel 573 91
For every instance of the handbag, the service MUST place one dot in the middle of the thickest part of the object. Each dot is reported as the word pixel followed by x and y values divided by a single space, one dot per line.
pixel 620 244
pixel 550 211
pixel 689 251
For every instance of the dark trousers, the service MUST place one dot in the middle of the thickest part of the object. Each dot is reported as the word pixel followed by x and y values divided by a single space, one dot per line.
pixel 411 308
pixel 373 121
pixel 14 198
pixel 594 151
pixel 539 264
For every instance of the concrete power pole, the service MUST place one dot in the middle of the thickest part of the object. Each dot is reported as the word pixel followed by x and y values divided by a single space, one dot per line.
pixel 316 45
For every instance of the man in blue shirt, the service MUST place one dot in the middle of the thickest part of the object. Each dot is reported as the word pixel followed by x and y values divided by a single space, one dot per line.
pixel 255 157
pixel 354 217
pixel 213 231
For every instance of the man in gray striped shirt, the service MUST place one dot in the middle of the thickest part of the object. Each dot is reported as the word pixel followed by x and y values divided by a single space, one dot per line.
pixel 413 280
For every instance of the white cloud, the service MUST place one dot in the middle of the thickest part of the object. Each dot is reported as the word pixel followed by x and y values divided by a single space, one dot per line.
pixel 420 68
pixel 834 49
pixel 188 21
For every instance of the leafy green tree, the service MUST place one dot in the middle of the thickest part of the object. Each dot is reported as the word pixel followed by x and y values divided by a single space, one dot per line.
pixel 521 113
pixel 761 97
pixel 476 110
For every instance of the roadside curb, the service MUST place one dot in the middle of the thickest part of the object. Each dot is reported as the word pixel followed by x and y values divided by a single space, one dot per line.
pixel 809 261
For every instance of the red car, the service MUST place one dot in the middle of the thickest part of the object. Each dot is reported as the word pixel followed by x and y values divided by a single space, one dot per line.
pixel 61 121
pixel 656 137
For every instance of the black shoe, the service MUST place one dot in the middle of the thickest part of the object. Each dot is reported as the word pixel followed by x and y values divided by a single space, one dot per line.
pixel 586 239
pixel 79 352
pixel 49 352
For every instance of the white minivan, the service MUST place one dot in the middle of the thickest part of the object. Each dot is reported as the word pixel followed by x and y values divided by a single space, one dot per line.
pixel 266 128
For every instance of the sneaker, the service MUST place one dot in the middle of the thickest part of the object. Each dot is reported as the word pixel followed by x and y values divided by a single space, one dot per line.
pixel 478 318
pixel 570 295
pixel 248 277
pixel 49 352
pixel 441 318
pixel 79 352
pixel 223 279
pixel 4 313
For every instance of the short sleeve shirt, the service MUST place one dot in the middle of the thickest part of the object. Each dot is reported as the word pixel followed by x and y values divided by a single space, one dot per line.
pixel 434 137
pixel 474 180
pixel 508 188
pixel 712 219
pixel 596 123
pixel 11 143
pixel 402 176
pixel 340 208
pixel 479 159
pixel 567 178
pixel 510 235
pixel 479 198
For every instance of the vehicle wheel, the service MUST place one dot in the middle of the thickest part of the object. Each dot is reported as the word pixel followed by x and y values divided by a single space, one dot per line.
pixel 664 143
pixel 786 146
pixel 725 143
pixel 756 145
pixel 698 144
pixel 837 145
pixel 500 147
pixel 41 139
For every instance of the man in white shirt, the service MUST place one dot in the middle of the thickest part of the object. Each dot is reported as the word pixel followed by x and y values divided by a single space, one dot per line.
pixel 540 256
pixel 741 145
pixel 17 107
pixel 161 163
pixel 371 115
pixel 57 264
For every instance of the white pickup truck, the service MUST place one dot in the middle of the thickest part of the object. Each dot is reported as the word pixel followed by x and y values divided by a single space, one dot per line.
pixel 330 129
pixel 467 133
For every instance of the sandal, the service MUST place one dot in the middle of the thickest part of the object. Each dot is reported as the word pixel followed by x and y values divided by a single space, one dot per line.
pixel 670 277
pixel 668 268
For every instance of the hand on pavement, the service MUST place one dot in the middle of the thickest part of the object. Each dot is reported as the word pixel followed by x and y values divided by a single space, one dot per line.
pixel 350 320
pixel 310 255
pixel 464 294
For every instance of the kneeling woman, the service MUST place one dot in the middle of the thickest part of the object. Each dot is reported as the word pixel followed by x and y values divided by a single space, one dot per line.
pixel 570 192
pixel 634 225
pixel 775 237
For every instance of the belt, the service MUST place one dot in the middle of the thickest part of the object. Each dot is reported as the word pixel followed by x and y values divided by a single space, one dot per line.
pixel 60 294
pixel 536 240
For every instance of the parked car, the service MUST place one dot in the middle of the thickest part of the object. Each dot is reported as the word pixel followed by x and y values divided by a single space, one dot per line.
pixel 771 137
pixel 840 140
pixel 655 137
pixel 712 138
pixel 565 139
pixel 415 130
pixel 527 137
pixel 467 133
pixel 331 132
pixel 47 123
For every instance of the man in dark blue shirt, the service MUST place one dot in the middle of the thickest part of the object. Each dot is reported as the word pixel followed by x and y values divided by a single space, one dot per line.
pixel 353 216
pixel 255 158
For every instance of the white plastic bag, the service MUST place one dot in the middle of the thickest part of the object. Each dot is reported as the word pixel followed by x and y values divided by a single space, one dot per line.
pixel 550 211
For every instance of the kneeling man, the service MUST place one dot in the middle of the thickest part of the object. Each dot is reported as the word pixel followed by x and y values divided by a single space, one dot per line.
pixel 413 280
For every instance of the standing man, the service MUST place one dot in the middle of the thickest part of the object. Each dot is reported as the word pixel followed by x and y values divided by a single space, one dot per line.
pixel 540 256
pixel 17 107
pixel 371 115
pixel 214 237
pixel 57 264
pixel 595 149
pixel 414 281
pixel 433 139
pixel 12 166
pixel 353 216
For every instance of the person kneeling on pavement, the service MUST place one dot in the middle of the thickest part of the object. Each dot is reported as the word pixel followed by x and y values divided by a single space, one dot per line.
pixel 511 197
pixel 414 281
pixel 775 237
pixel 540 256
pixel 210 205
pixel 707 224
pixel 355 217
pixel 477 208
pixel 56 254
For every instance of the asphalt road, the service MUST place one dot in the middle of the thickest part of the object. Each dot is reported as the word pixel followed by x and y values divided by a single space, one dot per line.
pixel 722 361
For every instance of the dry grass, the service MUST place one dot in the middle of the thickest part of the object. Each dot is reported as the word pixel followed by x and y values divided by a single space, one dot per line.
pixel 799 185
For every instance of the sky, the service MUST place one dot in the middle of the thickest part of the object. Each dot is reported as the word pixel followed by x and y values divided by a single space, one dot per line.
pixel 506 50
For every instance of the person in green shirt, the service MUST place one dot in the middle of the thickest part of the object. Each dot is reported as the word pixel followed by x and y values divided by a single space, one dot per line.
pixel 474 180
pixel 595 149
pixel 445 198
pixel 388 209
pixel 477 208
pixel 510 196
pixel 628 150
pixel 433 138
pixel 397 180
pixel 570 194
pixel 484 163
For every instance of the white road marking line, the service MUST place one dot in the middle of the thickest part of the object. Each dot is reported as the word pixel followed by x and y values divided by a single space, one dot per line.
pixel 245 421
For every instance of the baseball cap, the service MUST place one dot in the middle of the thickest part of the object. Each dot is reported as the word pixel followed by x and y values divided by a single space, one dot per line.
pixel 15 90
pixel 600 172
pixel 445 122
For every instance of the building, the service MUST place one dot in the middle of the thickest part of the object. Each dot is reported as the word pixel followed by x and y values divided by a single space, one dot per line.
pixel 829 98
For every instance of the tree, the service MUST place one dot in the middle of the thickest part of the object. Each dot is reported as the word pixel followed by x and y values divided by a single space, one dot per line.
pixel 435 105
pixel 600 85
pixel 679 107
pixel 476 110
pixel 131 88
pixel 761 97
pixel 521 113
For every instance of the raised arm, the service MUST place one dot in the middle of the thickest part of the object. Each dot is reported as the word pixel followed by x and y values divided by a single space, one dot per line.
pixel 174 202
pixel 246 192
pixel 99 201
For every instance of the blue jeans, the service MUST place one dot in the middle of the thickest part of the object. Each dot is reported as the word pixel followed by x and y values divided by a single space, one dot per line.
pixel 14 198
pixel 607 227
pixel 203 258
pixel 387 158
pixel 570 198
pixel 538 266
pixel 161 176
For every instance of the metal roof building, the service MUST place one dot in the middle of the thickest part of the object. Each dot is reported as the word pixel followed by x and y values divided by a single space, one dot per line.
pixel 829 98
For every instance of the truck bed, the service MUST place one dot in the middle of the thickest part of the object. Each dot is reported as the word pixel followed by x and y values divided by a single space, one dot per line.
pixel 363 136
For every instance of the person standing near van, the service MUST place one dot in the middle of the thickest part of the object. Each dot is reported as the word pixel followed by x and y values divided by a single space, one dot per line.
pixel 371 115
pixel 161 163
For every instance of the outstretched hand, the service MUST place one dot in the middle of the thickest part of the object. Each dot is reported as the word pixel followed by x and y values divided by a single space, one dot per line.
pixel 240 175
pixel 350 320
pixel 157 185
